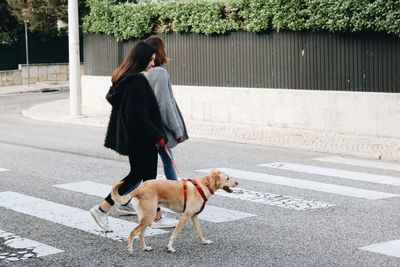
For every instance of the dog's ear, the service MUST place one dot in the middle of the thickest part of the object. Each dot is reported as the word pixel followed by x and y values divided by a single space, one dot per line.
pixel 214 171
pixel 215 178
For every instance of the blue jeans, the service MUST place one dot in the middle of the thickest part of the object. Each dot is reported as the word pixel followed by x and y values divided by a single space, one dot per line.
pixel 169 170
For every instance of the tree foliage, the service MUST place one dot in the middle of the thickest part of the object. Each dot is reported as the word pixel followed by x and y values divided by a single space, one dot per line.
pixel 9 26
pixel 45 18
pixel 42 15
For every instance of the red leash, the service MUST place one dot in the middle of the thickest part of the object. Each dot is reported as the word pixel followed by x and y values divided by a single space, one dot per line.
pixel 169 155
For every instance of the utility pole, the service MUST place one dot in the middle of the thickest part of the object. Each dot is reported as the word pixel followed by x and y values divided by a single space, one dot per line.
pixel 75 94
pixel 27 51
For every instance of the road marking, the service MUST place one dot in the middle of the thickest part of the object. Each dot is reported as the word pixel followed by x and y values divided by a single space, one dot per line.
pixel 15 248
pixel 362 163
pixel 304 184
pixel 3 170
pixel 357 176
pixel 68 216
pixel 270 199
pixel 210 213
pixel 390 248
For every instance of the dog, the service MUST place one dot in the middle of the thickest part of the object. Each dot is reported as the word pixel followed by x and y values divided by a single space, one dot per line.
pixel 187 197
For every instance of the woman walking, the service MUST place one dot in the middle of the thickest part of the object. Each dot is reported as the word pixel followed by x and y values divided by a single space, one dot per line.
pixel 135 128
pixel 174 124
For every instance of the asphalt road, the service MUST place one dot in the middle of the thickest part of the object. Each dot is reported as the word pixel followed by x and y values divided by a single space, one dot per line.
pixel 281 215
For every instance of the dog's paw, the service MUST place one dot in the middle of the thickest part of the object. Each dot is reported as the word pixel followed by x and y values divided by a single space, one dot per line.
pixel 206 242
pixel 171 249
pixel 147 248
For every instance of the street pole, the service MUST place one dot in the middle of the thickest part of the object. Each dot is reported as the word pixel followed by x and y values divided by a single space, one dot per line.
pixel 27 52
pixel 75 95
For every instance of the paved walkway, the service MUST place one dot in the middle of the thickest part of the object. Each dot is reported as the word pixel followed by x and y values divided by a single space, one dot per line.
pixel 363 146
pixel 36 87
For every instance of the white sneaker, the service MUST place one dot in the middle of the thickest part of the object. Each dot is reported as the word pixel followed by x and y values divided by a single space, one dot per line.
pixel 101 218
pixel 127 209
pixel 164 222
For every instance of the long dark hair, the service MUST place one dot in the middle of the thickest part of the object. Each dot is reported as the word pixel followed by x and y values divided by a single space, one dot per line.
pixel 159 46
pixel 136 61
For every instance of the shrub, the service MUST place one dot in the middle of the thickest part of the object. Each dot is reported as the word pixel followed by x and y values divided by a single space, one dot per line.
pixel 132 21
pixel 196 16
pixel 126 20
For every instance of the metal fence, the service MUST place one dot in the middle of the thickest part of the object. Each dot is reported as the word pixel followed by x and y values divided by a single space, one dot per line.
pixel 54 50
pixel 293 60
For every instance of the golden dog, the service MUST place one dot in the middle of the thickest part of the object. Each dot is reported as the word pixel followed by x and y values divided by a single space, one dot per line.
pixel 187 197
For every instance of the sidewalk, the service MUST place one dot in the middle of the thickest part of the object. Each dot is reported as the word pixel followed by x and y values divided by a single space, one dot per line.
pixel 363 146
pixel 36 87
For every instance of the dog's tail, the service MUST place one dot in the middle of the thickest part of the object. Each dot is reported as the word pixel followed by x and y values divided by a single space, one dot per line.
pixel 116 197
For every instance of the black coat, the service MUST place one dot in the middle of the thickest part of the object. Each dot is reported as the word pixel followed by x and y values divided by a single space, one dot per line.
pixel 135 120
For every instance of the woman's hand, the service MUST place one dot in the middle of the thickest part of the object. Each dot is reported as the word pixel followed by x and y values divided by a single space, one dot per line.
pixel 160 142
pixel 180 139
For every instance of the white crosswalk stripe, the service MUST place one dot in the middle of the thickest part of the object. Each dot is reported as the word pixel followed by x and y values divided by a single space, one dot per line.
pixel 361 163
pixel 389 248
pixel 305 184
pixel 357 176
pixel 3 170
pixel 15 248
pixel 67 216
pixel 210 213
pixel 278 200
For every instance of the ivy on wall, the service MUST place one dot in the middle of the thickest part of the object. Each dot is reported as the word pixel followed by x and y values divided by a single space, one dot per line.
pixel 126 20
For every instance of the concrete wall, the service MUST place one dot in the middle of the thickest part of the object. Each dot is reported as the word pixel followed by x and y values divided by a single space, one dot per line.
pixel 38 73
pixel 370 114
pixel 94 90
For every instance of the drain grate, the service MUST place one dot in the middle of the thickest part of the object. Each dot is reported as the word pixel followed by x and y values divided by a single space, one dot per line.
pixel 49 90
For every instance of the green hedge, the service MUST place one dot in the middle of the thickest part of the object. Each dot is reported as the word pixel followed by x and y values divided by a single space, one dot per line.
pixel 134 20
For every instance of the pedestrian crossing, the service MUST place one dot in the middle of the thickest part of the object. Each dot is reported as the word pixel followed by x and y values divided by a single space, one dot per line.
pixel 80 219
pixel 210 213
pixel 15 248
pixel 351 175
pixel 361 163
pixel 389 248
pixel 278 200
pixel 304 184
pixel 67 216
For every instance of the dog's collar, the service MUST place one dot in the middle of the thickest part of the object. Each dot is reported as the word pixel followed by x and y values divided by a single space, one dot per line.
pixel 199 189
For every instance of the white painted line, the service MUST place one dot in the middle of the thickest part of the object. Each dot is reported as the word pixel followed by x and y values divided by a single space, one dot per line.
pixel 23 248
pixel 269 199
pixel 88 188
pixel 219 215
pixel 362 163
pixel 3 170
pixel 390 248
pixel 210 213
pixel 68 216
pixel 357 176
pixel 304 184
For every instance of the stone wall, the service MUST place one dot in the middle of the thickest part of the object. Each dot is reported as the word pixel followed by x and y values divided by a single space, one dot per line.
pixel 38 73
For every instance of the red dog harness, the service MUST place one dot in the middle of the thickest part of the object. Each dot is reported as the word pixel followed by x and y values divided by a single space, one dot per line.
pixel 201 192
